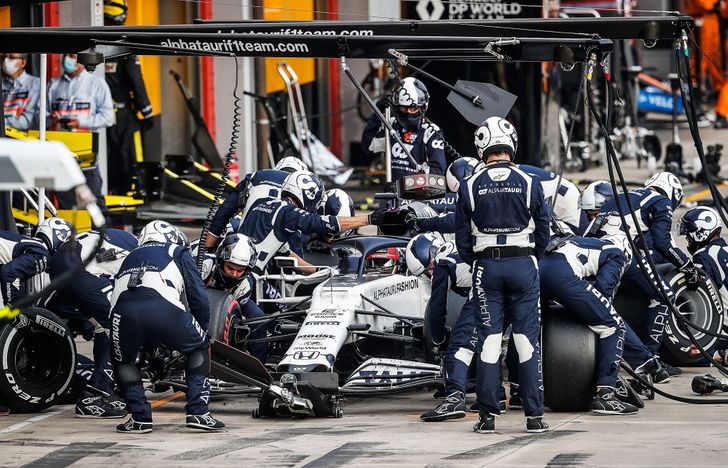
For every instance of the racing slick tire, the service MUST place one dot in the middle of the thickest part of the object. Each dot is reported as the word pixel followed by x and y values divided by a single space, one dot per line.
pixel 702 307
pixel 224 313
pixel 569 362
pixel 38 360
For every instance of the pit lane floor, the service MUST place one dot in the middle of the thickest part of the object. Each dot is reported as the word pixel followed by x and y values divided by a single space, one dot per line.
pixel 384 431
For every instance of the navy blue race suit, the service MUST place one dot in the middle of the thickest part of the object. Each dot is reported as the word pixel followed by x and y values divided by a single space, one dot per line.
pixel 148 307
pixel 85 299
pixel 427 145
pixel 567 271
pixel 272 223
pixel 21 258
pixel 654 215
pixel 255 187
pixel 502 228
pixel 451 274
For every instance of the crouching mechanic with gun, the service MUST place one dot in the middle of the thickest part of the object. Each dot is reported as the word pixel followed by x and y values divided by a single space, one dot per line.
pixel 230 270
pixel 147 306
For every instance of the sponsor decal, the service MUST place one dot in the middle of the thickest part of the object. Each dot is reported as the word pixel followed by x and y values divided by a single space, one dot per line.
pixel 50 325
pixel 306 355
pixel 396 288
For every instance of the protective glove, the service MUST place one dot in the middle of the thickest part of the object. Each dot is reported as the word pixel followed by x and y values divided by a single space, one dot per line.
pixel 410 220
pixel 378 216
pixel 384 102
pixel 692 277
pixel 147 123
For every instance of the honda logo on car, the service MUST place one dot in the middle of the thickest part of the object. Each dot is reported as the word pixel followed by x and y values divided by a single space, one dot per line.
pixel 306 355
pixel 396 288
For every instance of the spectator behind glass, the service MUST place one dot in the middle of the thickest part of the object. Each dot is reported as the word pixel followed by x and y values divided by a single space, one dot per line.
pixel 80 101
pixel 21 93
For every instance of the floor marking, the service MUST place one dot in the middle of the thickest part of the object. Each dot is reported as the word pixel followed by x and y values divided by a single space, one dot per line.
pixel 162 401
pixel 74 452
pixel 29 421
pixel 702 193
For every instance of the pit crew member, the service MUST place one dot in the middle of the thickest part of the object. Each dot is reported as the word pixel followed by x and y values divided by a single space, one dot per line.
pixel 502 223
pixel 234 259
pixel 654 205
pixel 420 135
pixel 21 258
pixel 567 268
pixel 253 189
pixel 147 306
pixel 84 302
pixel 272 223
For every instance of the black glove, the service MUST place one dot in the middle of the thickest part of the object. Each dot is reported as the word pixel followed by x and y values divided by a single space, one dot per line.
pixel 147 123
pixel 692 277
pixel 377 216
pixel 384 102
pixel 410 220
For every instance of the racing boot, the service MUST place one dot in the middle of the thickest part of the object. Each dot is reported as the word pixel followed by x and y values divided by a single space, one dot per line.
pixel 606 402
pixel 626 393
pixel 672 371
pixel 134 427
pixel 453 407
pixel 485 424
pixel 90 405
pixel 657 373
pixel 204 421
pixel 536 424
pixel 4 410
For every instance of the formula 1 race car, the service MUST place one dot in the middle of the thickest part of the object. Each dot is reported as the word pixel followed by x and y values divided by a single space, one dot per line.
pixel 356 327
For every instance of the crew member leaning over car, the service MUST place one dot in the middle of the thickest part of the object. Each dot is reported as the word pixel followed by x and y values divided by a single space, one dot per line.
pixel 271 224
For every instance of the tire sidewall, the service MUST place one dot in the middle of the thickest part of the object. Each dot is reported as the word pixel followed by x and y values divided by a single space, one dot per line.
pixel 676 343
pixel 19 394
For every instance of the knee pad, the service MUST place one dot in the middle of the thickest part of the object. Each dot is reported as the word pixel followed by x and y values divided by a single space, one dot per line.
pixel 603 331
pixel 127 375
pixel 490 354
pixel 523 346
pixel 464 355
pixel 198 362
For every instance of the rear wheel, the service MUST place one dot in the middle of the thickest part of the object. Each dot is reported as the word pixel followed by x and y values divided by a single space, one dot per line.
pixel 569 362
pixel 38 359
pixel 701 307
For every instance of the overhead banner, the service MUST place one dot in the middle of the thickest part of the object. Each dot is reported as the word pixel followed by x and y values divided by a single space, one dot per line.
pixel 472 9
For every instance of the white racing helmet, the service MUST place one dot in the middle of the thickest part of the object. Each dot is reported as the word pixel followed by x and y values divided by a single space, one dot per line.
pixel 496 135
pixel 595 195
pixel 238 250
pixel 699 225
pixel 306 188
pixel 54 232
pixel 667 184
pixel 291 164
pixel 338 203
pixel 459 170
pixel 163 232
pixel 619 239
pixel 421 252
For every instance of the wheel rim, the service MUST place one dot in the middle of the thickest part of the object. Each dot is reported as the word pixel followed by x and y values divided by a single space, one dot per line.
pixel 696 307
pixel 38 359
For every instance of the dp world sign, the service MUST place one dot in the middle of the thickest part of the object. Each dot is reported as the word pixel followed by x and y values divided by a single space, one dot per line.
pixel 473 9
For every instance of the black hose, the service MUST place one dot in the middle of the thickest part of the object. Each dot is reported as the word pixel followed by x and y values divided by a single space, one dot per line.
pixel 681 399
pixel 229 158
pixel 612 158
pixel 686 93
